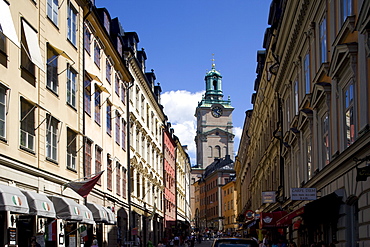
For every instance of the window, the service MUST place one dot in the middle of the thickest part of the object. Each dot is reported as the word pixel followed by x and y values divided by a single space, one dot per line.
pixel 52 11
pixel 296 94
pixel 98 153
pixel 325 139
pixel 309 158
pixel 138 185
pixel 119 46
pixel 52 70
pixel 349 118
pixel 26 62
pixel 3 97
pixel 87 95
pixel 71 149
pixel 71 86
pixel 109 173
pixel 109 119
pixel 217 152
pixel 87 40
pixel 123 93
pixel 88 156
pixel 307 73
pixel 323 49
pixel 116 84
pixel 124 175
pixel 97 105
pixel 97 51
pixel 2 42
pixel 72 24
pixel 52 138
pixel 118 127
pixel 118 179
pixel 108 73
pixel 123 137
pixel 27 135
pixel 346 9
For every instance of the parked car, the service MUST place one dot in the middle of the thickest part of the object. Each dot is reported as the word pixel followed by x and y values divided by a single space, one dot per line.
pixel 234 242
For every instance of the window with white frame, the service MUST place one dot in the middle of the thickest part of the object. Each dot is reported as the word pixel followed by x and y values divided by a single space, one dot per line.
pixel 109 119
pixel 118 179
pixel 71 149
pixel 52 70
pixel 52 11
pixel 71 86
pixel 123 93
pixel 97 102
pixel 108 71
pixel 2 42
pixel 307 79
pixel 52 138
pixel 3 105
pixel 87 95
pixel 98 161
pixel 118 127
pixel 88 156
pixel 349 114
pixel 109 174
pixel 97 51
pixel 72 24
pixel 87 39
pixel 27 131
pixel 116 84
pixel 124 126
pixel 322 37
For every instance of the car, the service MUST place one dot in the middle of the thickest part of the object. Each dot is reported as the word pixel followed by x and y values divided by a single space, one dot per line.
pixel 234 242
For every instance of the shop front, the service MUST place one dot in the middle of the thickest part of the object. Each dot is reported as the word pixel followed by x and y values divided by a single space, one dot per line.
pixel 13 204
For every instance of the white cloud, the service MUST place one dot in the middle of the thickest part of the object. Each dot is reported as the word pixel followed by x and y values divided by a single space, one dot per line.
pixel 179 106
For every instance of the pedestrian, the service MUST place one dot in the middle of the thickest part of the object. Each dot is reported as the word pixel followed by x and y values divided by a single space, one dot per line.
pixel 150 243
pixel 34 243
pixel 95 243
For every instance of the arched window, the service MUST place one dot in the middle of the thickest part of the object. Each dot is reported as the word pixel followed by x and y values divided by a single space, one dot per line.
pixel 210 152
pixel 217 152
pixel 214 85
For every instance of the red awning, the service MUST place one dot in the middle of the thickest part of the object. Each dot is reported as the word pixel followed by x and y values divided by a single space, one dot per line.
pixel 270 219
pixel 287 219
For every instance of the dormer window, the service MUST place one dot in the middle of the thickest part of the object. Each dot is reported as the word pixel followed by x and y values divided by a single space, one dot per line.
pixel 106 23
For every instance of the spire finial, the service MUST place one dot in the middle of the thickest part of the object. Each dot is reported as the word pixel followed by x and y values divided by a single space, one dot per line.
pixel 213 61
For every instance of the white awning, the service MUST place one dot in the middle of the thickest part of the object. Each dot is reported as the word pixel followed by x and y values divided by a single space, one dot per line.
pixel 66 209
pixel 33 45
pixel 7 24
pixel 99 213
pixel 111 216
pixel 39 204
pixel 13 200
pixel 87 216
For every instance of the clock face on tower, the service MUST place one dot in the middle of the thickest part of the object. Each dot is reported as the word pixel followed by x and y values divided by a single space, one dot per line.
pixel 216 111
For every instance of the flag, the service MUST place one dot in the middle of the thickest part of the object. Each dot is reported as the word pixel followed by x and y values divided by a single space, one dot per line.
pixel 84 187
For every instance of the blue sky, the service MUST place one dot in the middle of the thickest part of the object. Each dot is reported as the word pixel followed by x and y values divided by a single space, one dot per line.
pixel 179 38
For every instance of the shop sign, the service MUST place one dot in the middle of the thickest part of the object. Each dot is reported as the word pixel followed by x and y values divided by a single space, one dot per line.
pixel 363 173
pixel 303 194
pixel 249 214
pixel 12 234
pixel 268 197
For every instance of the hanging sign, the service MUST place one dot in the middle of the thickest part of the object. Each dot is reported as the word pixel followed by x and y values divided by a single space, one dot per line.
pixel 363 173
pixel 303 194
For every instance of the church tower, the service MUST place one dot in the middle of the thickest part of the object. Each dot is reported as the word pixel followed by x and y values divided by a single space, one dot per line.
pixel 214 138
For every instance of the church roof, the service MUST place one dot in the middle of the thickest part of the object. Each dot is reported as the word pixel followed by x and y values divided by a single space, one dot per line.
pixel 219 164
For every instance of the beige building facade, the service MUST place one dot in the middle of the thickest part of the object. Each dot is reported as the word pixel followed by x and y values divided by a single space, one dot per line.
pixel 309 126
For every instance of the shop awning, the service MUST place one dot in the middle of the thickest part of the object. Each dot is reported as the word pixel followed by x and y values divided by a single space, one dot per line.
pixel 269 219
pixel 321 210
pixel 111 216
pixel 13 200
pixel 39 204
pixel 66 209
pixel 287 219
pixel 7 24
pixel 60 52
pixel 87 216
pixel 33 45
pixel 99 213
